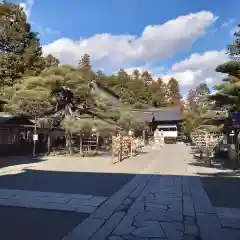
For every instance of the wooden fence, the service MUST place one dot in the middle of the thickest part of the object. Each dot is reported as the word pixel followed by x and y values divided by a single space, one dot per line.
pixel 125 147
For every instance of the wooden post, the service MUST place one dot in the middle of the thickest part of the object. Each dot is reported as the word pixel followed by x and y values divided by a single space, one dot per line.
pixel 121 147
pixel 34 134
pixel 144 137
pixel 97 143
pixel 208 152
pixel 131 150
pixel 201 153
pixel 81 144
pixel 236 150
pixel 49 143
pixel 89 141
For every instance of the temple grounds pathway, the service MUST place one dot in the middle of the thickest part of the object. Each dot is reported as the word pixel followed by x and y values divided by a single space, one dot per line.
pixel 156 195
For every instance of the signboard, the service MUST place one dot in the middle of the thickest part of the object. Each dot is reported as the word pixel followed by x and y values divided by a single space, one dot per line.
pixel 236 119
pixel 35 137
pixel 231 133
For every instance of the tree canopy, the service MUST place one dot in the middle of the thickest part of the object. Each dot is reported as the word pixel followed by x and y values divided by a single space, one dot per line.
pixel 228 93
pixel 36 85
pixel 234 47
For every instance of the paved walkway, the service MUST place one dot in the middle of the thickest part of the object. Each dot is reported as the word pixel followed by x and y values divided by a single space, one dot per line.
pixel 160 204
pixel 165 200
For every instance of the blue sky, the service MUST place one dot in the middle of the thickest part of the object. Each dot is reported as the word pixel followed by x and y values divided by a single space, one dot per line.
pixel 137 33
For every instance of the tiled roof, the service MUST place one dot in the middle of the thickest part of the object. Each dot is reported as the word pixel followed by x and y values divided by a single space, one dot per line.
pixel 2 102
pixel 163 114
pixel 12 120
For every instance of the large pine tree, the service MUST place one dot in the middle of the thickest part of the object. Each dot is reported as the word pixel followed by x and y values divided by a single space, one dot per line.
pixel 20 50
pixel 51 61
pixel 234 48
pixel 158 89
pixel 174 95
pixel 85 66
pixel 192 103
pixel 202 94
pixel 228 93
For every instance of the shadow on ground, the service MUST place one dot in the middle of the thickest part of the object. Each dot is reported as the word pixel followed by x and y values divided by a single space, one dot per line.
pixel 89 183
pixel 218 187
pixel 221 187
pixel 18 160
pixel 222 191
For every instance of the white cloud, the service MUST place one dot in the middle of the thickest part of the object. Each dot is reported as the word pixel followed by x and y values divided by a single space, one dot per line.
pixel 27 7
pixel 198 68
pixel 156 42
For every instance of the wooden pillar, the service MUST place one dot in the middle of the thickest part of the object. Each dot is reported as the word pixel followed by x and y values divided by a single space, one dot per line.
pixel 80 144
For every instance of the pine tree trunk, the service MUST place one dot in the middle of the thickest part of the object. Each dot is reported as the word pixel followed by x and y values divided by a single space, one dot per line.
pixel 69 143
pixel 81 144
pixel 49 143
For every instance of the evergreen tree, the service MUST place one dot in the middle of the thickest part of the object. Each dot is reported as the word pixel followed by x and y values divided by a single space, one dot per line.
pixel 20 50
pixel 158 90
pixel 202 95
pixel 234 48
pixel 228 93
pixel 202 89
pixel 4 10
pixel 136 74
pixel 84 62
pixel 100 73
pixel 51 61
pixel 174 93
pixel 85 67
pixel 192 101
pixel 40 94
pixel 146 77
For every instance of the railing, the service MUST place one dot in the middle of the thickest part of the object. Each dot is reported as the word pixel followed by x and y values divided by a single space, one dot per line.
pixel 206 142
pixel 125 146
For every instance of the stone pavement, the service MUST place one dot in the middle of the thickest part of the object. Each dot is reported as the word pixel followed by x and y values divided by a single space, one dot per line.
pixel 163 201
pixel 158 206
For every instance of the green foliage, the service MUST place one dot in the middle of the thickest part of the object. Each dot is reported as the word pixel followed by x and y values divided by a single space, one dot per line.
pixel 30 82
pixel 34 94
pixel 192 100
pixel 198 105
pixel 234 48
pixel 202 89
pixel 73 125
pixel 20 50
pixel 138 90
pixel 86 126
pixel 228 93
pixel 51 61
pixel 192 121
pixel 127 121
pixel 174 92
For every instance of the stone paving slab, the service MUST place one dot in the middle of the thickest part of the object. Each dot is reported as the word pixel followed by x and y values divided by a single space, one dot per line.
pixel 161 206
pixel 156 212
pixel 54 201
pixel 162 209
